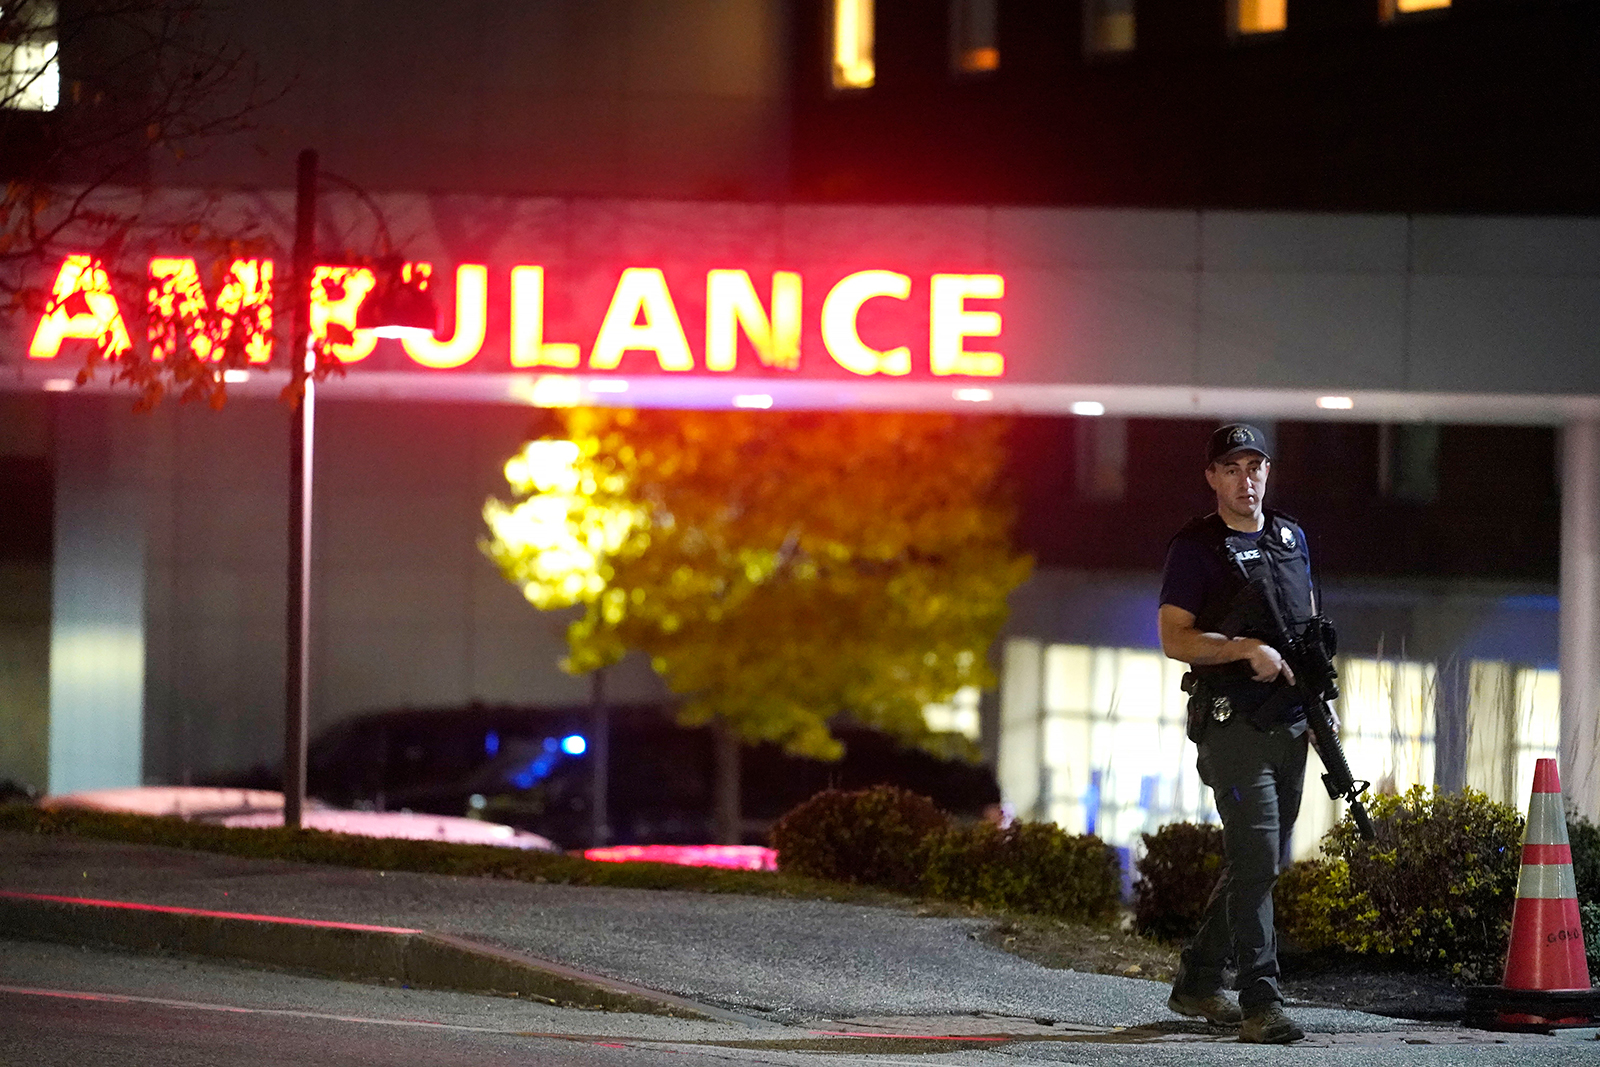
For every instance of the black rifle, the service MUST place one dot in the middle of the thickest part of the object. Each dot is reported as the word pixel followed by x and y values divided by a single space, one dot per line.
pixel 1315 683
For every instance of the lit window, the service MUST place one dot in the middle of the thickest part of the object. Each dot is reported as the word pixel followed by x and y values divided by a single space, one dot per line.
pixel 1259 16
pixel 30 79
pixel 852 44
pixel 974 38
pixel 1393 8
pixel 959 716
pixel 1513 720
pixel 1108 26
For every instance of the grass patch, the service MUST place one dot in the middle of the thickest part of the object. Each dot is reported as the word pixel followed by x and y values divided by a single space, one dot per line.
pixel 424 857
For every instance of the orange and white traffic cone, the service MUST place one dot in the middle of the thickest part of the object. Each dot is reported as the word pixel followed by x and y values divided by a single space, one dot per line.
pixel 1546 982
pixel 1546 950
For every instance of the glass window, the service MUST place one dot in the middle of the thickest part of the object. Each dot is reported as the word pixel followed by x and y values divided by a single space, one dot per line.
pixel 959 716
pixel 1393 8
pixel 1108 26
pixel 1513 720
pixel 974 36
pixel 30 79
pixel 852 44
pixel 1259 16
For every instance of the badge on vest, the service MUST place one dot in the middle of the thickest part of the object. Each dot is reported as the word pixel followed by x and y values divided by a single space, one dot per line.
pixel 1287 536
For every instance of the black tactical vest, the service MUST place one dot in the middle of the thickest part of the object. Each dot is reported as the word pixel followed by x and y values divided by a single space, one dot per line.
pixel 1276 562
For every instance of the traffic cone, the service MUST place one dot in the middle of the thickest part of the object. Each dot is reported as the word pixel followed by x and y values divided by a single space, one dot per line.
pixel 1546 950
pixel 1546 982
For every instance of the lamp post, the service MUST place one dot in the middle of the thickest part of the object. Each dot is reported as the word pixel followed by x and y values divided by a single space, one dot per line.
pixel 398 309
pixel 297 673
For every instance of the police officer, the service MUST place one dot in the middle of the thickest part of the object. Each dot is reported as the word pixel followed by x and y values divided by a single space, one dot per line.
pixel 1244 716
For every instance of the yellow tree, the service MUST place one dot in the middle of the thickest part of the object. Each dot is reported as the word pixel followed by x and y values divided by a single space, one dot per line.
pixel 778 568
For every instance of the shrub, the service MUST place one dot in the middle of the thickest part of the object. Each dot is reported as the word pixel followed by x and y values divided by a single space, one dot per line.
pixel 866 836
pixel 1434 890
pixel 1181 864
pixel 1035 867
pixel 1298 906
pixel 1585 839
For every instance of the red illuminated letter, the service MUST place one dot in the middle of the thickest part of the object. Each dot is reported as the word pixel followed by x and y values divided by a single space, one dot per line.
pixel 472 319
pixel 336 293
pixel 642 291
pixel 81 305
pixel 527 324
pixel 950 324
pixel 178 306
pixel 732 304
pixel 839 312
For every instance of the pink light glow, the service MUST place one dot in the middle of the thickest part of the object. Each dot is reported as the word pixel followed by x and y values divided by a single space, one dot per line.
pixel 260 807
pixel 164 909
pixel 732 857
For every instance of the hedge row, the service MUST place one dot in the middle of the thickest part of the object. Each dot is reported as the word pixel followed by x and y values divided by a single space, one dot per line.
pixel 892 838
pixel 1434 890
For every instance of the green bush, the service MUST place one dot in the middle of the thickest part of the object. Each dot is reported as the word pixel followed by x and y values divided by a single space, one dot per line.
pixel 1299 910
pixel 868 836
pixel 1434 890
pixel 1181 864
pixel 1584 837
pixel 1035 867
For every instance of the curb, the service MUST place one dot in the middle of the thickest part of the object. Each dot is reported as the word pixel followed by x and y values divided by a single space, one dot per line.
pixel 341 950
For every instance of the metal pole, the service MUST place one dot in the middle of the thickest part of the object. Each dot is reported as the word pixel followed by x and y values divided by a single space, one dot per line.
pixel 297 673
pixel 599 760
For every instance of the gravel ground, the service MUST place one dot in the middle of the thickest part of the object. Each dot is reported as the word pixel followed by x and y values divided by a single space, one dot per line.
pixel 785 960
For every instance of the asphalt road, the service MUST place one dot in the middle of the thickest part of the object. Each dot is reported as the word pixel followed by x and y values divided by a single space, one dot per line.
pixel 72 1007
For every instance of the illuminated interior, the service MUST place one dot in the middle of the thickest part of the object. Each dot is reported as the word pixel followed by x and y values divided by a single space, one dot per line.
pixel 1410 7
pixel 1109 25
pixel 1092 738
pixel 974 36
pixel 30 76
pixel 1260 16
pixel 853 66
pixel 959 715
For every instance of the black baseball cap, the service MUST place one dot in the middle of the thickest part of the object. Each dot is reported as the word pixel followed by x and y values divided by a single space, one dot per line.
pixel 1236 437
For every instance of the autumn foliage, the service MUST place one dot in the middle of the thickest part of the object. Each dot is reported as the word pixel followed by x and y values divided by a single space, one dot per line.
pixel 777 567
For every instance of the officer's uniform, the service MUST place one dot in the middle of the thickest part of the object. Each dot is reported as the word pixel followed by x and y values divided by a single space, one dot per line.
pixel 1252 742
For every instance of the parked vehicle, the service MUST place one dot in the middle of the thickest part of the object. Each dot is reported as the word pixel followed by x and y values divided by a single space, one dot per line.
pixel 532 768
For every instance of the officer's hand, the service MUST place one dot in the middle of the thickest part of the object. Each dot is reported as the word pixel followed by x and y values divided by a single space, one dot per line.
pixel 1267 664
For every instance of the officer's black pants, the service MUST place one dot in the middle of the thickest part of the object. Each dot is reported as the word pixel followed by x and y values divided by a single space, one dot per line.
pixel 1257 777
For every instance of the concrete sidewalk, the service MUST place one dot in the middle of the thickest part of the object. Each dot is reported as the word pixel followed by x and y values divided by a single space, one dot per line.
pixel 690 954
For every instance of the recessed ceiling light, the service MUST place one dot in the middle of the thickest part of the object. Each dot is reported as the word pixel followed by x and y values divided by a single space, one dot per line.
pixel 1335 403
pixel 752 400
pixel 547 391
pixel 608 385
pixel 59 385
pixel 974 396
pixel 1088 407
pixel 234 376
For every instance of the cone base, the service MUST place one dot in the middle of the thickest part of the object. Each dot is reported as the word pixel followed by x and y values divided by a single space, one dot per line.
pixel 1530 1010
pixel 1546 950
